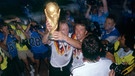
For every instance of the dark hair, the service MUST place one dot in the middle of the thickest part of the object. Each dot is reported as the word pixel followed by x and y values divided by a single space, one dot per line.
pixel 112 17
pixel 91 47
pixel 1 22
pixel 83 22
pixel 129 40
pixel 2 25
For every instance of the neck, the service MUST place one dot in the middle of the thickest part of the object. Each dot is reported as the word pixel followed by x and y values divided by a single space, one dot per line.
pixel 108 31
pixel 88 60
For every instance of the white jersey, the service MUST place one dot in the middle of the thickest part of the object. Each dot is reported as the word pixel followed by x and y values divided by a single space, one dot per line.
pixel 61 53
pixel 100 68
pixel 77 58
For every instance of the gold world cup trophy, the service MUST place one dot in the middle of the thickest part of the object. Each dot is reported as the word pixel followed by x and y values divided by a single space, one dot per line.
pixel 52 12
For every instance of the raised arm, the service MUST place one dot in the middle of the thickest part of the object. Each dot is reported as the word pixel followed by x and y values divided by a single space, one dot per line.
pixel 105 7
pixel 45 39
pixel 72 42
pixel 88 11
pixel 57 35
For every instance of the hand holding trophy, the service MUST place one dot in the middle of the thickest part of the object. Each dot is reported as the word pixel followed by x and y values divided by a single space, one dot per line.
pixel 52 12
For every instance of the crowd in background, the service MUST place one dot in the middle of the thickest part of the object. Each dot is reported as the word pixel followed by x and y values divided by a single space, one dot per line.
pixel 88 41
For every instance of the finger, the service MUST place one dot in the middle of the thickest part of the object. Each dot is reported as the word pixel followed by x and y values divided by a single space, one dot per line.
pixel 113 72
pixel 49 28
pixel 55 34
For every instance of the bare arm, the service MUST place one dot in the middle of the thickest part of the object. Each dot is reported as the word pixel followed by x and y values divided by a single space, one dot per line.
pixel 45 39
pixel 88 11
pixel 8 21
pixel 73 42
pixel 28 28
pixel 2 45
pixel 57 35
pixel 1 59
pixel 14 19
pixel 19 27
pixel 110 56
pixel 124 5
pixel 41 33
pixel 112 73
pixel 105 7
pixel 5 39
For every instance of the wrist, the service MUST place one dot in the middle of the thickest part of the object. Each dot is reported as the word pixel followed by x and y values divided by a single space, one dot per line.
pixel 89 7
pixel 64 38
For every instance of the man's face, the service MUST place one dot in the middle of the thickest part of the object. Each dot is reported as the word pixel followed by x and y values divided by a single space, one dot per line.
pixel 101 10
pixel 122 41
pixel 4 28
pixel 64 28
pixel 109 24
pixel 80 31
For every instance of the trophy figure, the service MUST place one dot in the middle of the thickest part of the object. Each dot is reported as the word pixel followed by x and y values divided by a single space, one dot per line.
pixel 52 12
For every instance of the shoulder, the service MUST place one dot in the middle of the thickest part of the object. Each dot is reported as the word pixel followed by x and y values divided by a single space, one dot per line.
pixel 77 67
pixel 115 31
pixel 106 14
pixel 105 61
pixel 76 70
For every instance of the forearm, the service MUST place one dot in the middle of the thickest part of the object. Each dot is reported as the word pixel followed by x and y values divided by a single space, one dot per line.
pixel 87 12
pixel 25 33
pixel 3 46
pixel 41 33
pixel 1 59
pixel 72 42
pixel 27 29
pixel 124 5
pixel 45 39
pixel 110 56
pixel 8 21
pixel 5 39
pixel 18 38
pixel 105 6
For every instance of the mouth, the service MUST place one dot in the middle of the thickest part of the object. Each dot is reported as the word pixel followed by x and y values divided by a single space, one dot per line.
pixel 78 36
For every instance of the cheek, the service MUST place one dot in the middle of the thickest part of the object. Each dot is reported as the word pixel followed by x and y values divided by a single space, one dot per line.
pixel 5 28
pixel 76 31
pixel 107 26
pixel 122 42
pixel 81 32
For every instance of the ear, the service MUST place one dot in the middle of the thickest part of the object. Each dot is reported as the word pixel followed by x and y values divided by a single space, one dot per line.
pixel 114 25
pixel 86 32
